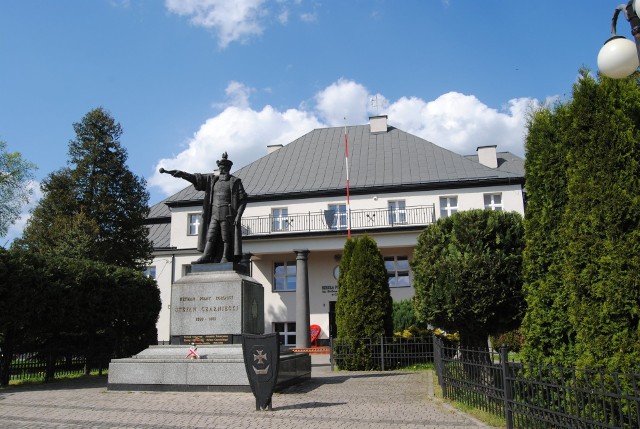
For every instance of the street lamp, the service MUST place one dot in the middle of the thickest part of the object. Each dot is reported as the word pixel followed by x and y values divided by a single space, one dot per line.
pixel 619 57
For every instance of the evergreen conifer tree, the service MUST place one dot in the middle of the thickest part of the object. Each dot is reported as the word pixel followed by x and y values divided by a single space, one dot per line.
pixel 364 307
pixel 342 303
pixel 591 212
pixel 96 199
pixel 550 337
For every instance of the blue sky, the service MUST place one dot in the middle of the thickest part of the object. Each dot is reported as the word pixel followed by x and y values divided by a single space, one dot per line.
pixel 189 79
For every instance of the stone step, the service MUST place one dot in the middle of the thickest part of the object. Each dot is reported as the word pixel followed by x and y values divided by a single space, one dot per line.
pixel 173 359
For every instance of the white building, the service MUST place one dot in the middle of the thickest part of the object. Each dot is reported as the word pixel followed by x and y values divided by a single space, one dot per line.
pixel 297 200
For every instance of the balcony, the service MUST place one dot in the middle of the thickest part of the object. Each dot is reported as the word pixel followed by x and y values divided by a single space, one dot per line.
pixel 330 220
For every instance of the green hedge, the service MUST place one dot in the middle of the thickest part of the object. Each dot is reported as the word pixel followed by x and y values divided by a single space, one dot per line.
pixel 79 303
pixel 582 228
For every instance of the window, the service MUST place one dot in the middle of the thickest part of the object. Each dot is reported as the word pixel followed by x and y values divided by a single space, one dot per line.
pixel 194 224
pixel 150 272
pixel 287 331
pixel 186 269
pixel 493 201
pixel 284 276
pixel 339 220
pixel 398 271
pixel 280 219
pixel 448 206
pixel 397 212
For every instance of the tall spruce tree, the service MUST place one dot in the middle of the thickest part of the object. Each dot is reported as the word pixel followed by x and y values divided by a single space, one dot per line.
pixel 596 254
pixel 96 200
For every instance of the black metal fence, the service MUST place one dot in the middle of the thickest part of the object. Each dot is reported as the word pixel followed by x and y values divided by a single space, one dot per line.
pixel 49 363
pixel 538 396
pixel 383 353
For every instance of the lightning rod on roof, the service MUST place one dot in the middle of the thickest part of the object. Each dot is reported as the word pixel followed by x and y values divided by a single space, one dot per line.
pixel 374 103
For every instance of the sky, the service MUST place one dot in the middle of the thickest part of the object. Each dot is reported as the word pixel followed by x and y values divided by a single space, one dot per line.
pixel 190 79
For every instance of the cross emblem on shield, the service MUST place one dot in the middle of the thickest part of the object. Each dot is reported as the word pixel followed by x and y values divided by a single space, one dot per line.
pixel 262 360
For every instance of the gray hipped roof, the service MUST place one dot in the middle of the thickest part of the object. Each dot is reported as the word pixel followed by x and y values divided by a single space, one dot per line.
pixel 314 164
pixel 160 233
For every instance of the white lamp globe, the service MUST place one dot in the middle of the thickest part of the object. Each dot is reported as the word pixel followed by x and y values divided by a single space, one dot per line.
pixel 618 58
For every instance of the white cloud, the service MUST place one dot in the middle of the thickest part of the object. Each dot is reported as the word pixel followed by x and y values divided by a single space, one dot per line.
pixel 242 132
pixel 15 230
pixel 283 17
pixel 461 122
pixel 240 20
pixel 455 121
pixel 235 20
pixel 309 17
pixel 238 94
pixel 343 99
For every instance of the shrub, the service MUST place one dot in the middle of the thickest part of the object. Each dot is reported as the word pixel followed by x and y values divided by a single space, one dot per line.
pixel 364 305
pixel 512 339
pixel 404 315
pixel 467 274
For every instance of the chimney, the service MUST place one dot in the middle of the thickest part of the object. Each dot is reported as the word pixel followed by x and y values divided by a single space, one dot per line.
pixel 487 156
pixel 272 148
pixel 378 124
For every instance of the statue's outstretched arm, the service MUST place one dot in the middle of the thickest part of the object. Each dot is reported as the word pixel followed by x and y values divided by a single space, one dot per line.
pixel 179 174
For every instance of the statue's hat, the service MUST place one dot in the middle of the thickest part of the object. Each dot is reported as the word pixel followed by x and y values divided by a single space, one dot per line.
pixel 224 161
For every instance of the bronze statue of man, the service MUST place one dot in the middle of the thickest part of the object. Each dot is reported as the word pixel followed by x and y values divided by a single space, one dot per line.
pixel 220 237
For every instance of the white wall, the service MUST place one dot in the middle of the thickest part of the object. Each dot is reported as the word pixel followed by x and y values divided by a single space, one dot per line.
pixel 468 198
pixel 280 306
pixel 180 227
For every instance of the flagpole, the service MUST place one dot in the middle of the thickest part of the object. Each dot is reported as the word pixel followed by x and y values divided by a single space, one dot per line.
pixel 346 160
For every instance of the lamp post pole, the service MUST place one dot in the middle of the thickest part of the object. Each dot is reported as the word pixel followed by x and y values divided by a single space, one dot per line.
pixel 620 57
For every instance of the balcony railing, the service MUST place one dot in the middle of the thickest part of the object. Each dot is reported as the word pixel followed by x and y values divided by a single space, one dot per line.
pixel 330 220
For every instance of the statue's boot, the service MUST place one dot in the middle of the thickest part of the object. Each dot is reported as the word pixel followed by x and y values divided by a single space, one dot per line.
pixel 207 255
pixel 225 253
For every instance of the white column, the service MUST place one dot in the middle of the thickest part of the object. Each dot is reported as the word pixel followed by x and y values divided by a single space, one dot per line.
pixel 303 318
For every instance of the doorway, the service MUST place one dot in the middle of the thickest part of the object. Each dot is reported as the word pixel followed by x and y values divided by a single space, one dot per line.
pixel 333 328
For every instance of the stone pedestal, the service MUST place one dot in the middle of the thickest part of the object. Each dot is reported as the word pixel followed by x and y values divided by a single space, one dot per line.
pixel 211 307
pixel 215 305
pixel 219 369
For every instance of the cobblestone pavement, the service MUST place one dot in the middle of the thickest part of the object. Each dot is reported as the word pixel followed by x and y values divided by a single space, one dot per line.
pixel 329 400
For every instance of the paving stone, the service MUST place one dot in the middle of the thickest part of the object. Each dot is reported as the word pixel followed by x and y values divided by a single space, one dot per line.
pixel 330 400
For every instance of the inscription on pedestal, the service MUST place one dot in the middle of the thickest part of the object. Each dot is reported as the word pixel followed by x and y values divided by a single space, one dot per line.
pixel 207 308
pixel 216 303
pixel 205 339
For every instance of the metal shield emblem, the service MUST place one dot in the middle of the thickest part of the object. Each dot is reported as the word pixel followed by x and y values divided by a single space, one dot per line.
pixel 261 361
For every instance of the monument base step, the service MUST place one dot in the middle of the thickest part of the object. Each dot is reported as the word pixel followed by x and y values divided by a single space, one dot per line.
pixel 220 368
